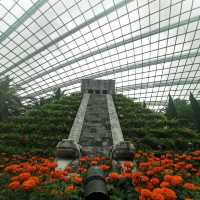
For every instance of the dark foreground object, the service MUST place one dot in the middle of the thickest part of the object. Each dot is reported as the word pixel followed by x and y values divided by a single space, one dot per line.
pixel 123 151
pixel 95 187
pixel 67 149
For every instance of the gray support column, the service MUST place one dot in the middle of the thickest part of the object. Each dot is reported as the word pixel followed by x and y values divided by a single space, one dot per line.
pixel 78 122
pixel 114 121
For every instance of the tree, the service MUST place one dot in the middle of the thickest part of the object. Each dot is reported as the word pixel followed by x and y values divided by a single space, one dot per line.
pixel 58 93
pixel 183 109
pixel 10 102
pixel 144 104
pixel 195 111
pixel 184 112
pixel 171 109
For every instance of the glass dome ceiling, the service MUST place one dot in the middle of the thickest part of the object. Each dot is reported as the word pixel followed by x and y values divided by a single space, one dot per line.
pixel 150 47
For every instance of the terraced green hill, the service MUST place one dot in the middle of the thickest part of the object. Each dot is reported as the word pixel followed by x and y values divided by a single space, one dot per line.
pixel 39 130
pixel 151 130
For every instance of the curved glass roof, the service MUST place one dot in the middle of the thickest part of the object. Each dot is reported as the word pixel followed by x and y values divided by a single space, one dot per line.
pixel 150 47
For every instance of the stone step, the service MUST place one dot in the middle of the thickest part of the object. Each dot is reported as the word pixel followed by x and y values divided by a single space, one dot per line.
pixel 96 132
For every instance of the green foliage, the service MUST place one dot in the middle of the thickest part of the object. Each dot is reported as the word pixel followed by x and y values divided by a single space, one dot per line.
pixel 171 109
pixel 153 142
pixel 187 114
pixel 184 113
pixel 183 109
pixel 152 130
pixel 10 103
pixel 34 195
pixel 58 93
pixel 195 111
pixel 39 129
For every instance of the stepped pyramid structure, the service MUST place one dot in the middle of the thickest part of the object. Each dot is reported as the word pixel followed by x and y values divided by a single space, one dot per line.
pixel 96 136
pixel 96 129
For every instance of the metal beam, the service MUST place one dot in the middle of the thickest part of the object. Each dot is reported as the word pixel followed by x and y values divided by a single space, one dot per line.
pixel 114 71
pixel 22 19
pixel 156 84
pixel 74 30
pixel 115 45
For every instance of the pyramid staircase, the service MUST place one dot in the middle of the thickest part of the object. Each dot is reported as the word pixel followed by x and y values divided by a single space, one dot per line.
pixel 96 136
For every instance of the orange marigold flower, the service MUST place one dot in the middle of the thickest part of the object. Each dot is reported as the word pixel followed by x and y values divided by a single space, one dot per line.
pixel 24 176
pixel 136 175
pixel 144 165
pixel 84 159
pixel 167 178
pixel 104 167
pixel 14 185
pixel 196 153
pixel 43 169
pixel 168 194
pixel 164 184
pixel 127 164
pixel 179 165
pixel 15 178
pixel 136 178
pixel 149 185
pixel 51 165
pixel 150 172
pixel 94 162
pixel 189 186
pixel 82 170
pixel 155 181
pixel 158 190
pixel 31 169
pixel 28 185
pixel 166 162
pixel 114 176
pixel 189 166
pixel 145 193
pixel 68 169
pixel 144 179
pixel 13 169
pixel 35 178
pixel 157 196
pixel 70 188
pixel 57 174
pixel 138 189
pixel 99 158
pixel 77 179
pixel 157 169
pixel 127 175
pixel 176 180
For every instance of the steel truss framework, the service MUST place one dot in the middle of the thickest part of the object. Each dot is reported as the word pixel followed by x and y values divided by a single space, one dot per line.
pixel 150 47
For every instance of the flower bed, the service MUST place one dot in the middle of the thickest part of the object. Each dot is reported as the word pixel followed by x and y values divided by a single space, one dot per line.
pixel 165 177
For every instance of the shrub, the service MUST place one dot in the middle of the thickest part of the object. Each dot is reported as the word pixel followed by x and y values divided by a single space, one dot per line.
pixel 153 142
